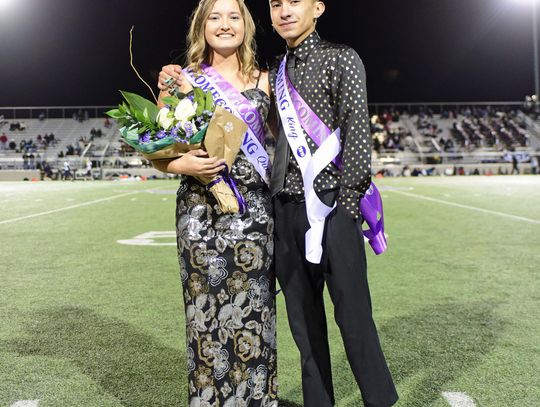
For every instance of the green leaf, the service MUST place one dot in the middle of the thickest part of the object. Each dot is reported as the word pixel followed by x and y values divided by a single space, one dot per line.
pixel 138 103
pixel 142 130
pixel 171 101
pixel 115 114
pixel 139 116
pixel 209 101
pixel 199 99
pixel 124 109
pixel 198 138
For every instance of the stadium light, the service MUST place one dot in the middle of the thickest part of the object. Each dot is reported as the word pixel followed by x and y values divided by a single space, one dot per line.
pixel 6 4
pixel 535 44
pixel 534 4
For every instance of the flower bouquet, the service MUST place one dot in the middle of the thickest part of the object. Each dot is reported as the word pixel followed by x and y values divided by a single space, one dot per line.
pixel 187 122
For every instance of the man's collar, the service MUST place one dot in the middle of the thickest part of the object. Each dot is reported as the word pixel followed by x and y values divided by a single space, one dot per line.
pixel 302 51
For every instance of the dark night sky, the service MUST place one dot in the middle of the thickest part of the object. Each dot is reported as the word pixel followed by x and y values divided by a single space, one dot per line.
pixel 75 52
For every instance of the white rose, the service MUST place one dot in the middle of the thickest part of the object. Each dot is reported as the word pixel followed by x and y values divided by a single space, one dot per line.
pixel 164 120
pixel 185 110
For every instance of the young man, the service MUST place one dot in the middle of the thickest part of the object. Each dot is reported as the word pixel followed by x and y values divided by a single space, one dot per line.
pixel 321 171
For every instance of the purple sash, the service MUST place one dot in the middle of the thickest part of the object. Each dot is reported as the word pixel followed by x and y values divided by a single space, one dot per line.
pixel 224 176
pixel 371 204
pixel 371 207
pixel 248 113
pixel 228 97
pixel 312 124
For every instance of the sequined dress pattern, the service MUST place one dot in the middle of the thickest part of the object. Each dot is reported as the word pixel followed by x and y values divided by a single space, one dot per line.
pixel 229 289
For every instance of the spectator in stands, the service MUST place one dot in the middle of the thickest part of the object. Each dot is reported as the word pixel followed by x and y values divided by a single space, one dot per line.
pixel 3 141
pixel 66 173
pixel 46 168
pixel 12 144
pixel 107 123
pixel 52 140
pixel 515 168
pixel 31 161
pixel 41 116
pixel 88 172
pixel 376 144
pixel 416 172
pixel 406 172
pixel 534 164
pixel 25 162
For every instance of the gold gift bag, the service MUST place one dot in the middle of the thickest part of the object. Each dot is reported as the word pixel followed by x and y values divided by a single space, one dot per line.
pixel 223 139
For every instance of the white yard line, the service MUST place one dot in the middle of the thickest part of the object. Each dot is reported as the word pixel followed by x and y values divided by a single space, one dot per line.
pixel 458 399
pixel 26 403
pixel 66 208
pixel 473 208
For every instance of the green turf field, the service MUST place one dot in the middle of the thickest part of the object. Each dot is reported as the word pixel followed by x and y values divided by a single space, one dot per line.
pixel 87 321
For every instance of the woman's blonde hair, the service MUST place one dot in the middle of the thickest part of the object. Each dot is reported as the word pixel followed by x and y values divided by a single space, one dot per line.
pixel 198 50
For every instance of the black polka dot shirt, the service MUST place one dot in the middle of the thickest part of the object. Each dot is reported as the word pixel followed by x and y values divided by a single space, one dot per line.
pixel 331 79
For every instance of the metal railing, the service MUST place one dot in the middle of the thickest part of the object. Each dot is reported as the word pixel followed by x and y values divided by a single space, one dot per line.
pixel 53 112
pixel 439 107
pixel 63 112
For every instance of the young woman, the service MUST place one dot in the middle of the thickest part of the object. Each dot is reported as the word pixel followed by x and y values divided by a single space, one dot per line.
pixel 226 260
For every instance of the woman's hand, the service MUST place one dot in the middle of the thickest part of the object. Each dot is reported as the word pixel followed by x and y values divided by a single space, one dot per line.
pixel 196 163
pixel 175 72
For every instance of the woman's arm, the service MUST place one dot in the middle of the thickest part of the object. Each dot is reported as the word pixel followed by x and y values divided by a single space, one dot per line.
pixel 194 163
pixel 161 165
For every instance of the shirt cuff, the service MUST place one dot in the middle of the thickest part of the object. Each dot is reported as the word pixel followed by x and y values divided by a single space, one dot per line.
pixel 349 199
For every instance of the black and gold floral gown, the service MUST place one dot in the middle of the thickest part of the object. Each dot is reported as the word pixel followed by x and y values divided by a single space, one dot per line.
pixel 229 289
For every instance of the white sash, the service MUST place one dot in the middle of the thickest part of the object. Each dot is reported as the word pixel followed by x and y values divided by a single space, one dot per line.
pixel 310 165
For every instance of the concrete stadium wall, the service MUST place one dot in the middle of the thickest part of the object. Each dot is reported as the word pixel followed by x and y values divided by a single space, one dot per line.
pixel 440 169
pixel 20 175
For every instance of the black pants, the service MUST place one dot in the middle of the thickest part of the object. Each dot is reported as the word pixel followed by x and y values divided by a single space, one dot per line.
pixel 344 269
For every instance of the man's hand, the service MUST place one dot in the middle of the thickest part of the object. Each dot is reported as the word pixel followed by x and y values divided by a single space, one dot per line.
pixel 172 76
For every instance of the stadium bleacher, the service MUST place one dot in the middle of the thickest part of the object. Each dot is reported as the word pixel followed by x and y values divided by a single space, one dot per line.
pixel 72 140
pixel 473 137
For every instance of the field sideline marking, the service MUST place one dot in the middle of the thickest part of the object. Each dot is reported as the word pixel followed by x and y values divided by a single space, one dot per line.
pixel 458 399
pixel 110 198
pixel 474 208
pixel 26 403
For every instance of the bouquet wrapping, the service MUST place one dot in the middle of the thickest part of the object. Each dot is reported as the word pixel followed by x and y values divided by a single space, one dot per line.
pixel 186 123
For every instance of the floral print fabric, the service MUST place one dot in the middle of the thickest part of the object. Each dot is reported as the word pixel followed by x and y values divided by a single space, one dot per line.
pixel 229 290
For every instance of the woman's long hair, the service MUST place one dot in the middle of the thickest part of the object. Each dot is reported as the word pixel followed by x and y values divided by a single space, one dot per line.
pixel 198 50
